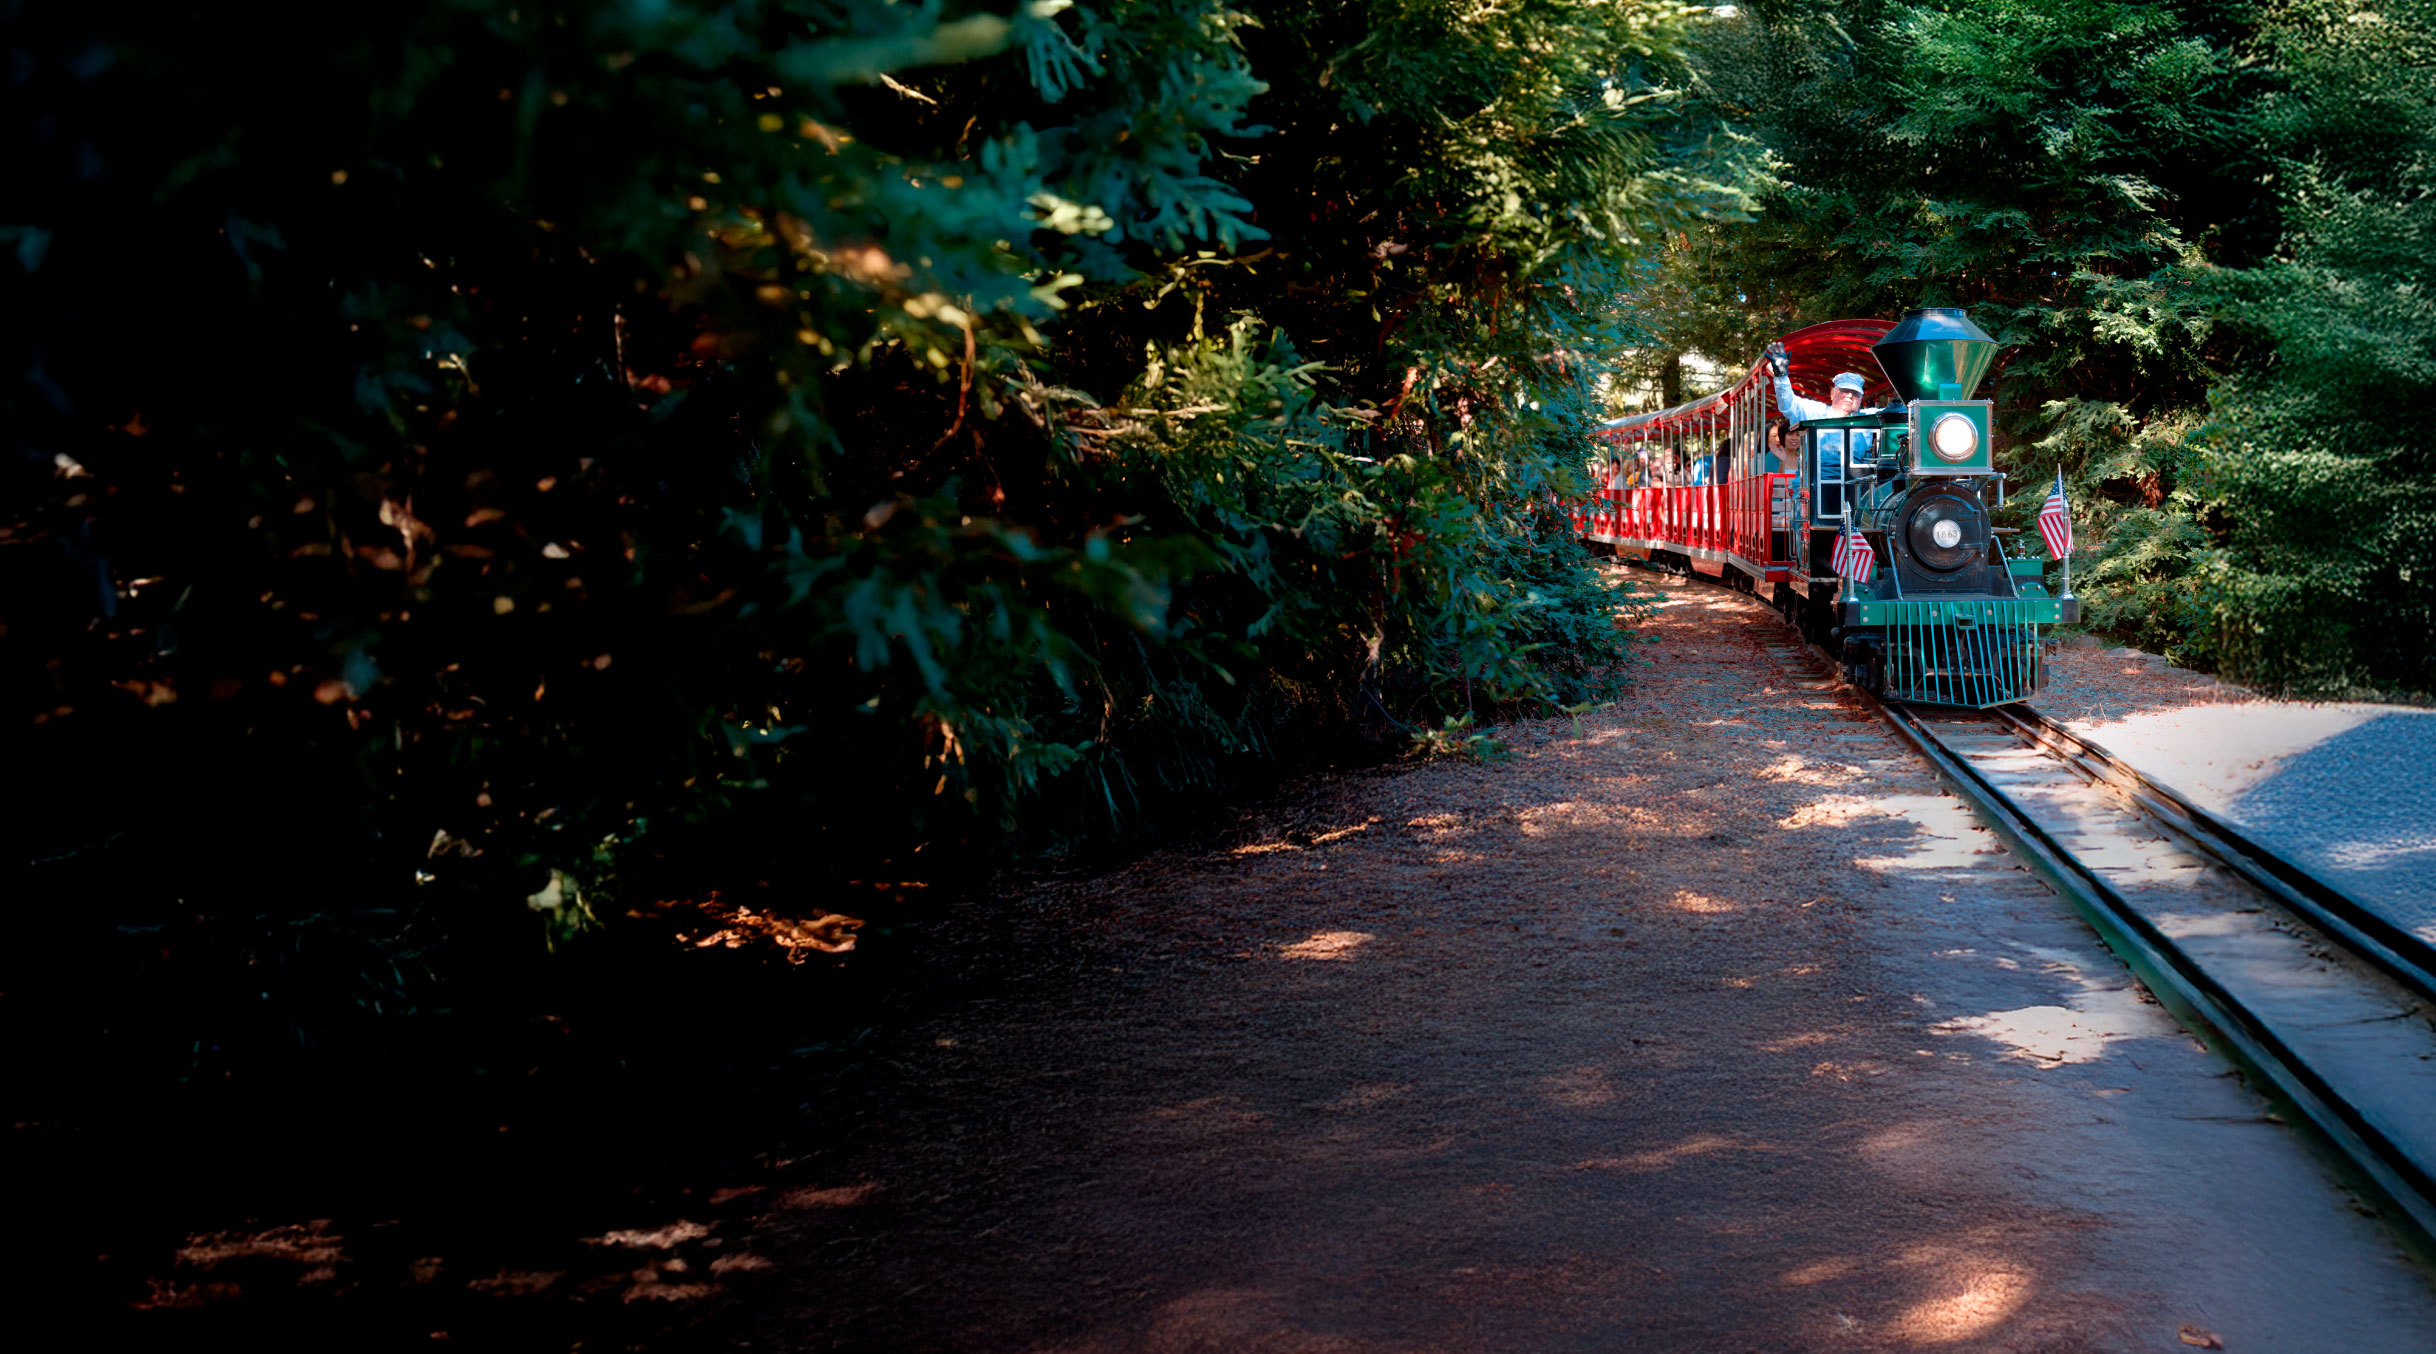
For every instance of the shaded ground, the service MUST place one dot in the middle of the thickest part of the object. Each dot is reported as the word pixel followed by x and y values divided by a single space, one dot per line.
pixel 2094 687
pixel 1709 1026
pixel 1706 1023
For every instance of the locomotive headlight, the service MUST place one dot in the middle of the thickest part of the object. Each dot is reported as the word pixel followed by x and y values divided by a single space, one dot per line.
pixel 1954 437
pixel 1947 533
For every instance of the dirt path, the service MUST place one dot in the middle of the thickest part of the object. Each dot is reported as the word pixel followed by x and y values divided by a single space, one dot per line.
pixel 1712 1026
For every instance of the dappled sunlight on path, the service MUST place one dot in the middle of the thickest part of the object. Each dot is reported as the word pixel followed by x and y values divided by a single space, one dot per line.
pixel 1706 1024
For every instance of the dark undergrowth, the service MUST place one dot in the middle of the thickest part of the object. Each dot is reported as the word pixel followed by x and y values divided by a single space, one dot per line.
pixel 506 1174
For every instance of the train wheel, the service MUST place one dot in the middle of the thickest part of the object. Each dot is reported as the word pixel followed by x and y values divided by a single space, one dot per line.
pixel 1864 668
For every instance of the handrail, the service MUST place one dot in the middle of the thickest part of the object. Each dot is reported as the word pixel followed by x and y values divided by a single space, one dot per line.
pixel 1732 518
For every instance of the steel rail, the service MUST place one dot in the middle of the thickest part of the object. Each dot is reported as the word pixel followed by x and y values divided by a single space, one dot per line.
pixel 2183 985
pixel 2403 955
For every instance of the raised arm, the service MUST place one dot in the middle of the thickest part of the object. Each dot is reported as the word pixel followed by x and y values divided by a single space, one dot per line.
pixel 1796 408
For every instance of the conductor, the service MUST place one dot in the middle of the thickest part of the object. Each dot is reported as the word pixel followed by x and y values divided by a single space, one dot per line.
pixel 1843 401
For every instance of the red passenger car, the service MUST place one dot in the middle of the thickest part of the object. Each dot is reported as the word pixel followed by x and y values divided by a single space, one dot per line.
pixel 1751 524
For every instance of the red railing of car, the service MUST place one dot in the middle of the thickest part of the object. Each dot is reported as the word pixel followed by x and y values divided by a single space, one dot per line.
pixel 1739 519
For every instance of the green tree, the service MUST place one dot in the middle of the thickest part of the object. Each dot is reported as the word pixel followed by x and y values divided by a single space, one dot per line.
pixel 531 441
pixel 2318 476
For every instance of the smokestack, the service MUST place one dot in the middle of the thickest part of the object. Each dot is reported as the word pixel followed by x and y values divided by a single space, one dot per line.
pixel 1934 348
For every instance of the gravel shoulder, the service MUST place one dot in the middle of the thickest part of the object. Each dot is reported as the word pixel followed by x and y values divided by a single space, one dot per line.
pixel 1705 1023
pixel 2342 787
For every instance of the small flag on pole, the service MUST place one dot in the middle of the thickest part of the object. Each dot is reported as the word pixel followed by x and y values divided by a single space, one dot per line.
pixel 2055 521
pixel 1854 559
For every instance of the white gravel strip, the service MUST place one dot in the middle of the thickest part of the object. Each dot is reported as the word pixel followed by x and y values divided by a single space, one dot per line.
pixel 2347 789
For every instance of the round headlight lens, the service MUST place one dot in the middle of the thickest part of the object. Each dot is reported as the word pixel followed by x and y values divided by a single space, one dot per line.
pixel 1954 437
pixel 1947 534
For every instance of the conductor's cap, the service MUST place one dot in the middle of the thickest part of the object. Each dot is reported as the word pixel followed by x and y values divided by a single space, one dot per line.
pixel 1852 381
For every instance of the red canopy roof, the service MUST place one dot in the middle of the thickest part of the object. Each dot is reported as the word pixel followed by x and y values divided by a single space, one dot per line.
pixel 1818 354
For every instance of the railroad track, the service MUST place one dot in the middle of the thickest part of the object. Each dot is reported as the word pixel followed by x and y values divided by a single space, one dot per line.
pixel 2330 1008
pixel 2328 1005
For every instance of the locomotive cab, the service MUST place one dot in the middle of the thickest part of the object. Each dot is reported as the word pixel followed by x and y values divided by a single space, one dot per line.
pixel 1839 459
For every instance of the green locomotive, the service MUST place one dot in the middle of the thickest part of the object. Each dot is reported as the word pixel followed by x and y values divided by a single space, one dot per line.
pixel 1951 611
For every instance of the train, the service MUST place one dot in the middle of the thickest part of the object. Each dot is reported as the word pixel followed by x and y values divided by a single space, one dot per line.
pixel 1949 608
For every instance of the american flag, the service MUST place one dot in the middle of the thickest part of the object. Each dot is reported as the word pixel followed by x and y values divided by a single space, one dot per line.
pixel 2055 521
pixel 1853 557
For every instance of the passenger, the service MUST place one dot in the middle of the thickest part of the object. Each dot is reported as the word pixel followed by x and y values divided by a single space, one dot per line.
pixel 1784 446
pixel 1843 397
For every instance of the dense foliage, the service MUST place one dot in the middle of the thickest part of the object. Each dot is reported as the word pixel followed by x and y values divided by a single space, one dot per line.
pixel 527 443
pixel 2319 476
pixel 528 440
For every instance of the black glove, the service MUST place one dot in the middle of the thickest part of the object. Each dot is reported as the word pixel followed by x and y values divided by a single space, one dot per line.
pixel 1778 360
